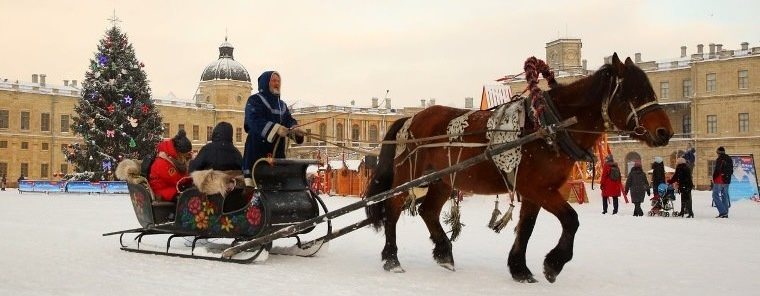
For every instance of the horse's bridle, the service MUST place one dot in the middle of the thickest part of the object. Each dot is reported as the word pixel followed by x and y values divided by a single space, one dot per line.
pixel 638 129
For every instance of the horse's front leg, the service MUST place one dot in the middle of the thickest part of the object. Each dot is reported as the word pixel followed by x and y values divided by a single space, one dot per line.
pixel 393 208
pixel 563 252
pixel 430 210
pixel 517 266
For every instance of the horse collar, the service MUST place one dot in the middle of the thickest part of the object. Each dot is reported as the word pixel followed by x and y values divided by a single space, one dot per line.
pixel 563 138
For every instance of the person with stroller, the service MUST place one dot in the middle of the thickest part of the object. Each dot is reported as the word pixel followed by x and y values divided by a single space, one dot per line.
pixel 637 184
pixel 611 184
pixel 683 177
pixel 658 174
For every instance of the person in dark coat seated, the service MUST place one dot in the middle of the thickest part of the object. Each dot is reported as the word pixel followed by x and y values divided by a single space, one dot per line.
pixel 221 154
pixel 216 169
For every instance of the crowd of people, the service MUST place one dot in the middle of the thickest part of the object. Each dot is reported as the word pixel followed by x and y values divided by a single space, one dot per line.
pixel 638 185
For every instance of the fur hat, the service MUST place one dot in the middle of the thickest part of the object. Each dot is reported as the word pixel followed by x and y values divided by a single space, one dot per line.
pixel 658 159
pixel 721 149
pixel 181 142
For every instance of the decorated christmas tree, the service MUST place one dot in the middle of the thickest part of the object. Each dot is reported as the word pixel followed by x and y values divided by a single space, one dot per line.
pixel 115 115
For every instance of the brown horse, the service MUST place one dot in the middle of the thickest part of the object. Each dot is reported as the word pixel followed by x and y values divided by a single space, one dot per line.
pixel 618 94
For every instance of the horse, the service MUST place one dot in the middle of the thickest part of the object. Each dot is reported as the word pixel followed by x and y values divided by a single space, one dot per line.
pixel 618 94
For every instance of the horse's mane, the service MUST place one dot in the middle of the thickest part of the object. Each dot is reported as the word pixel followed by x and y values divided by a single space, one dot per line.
pixel 597 84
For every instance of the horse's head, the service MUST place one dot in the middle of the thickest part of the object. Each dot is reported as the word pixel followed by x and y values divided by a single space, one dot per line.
pixel 632 104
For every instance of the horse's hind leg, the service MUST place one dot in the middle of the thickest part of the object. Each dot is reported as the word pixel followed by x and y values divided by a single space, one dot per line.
pixel 563 252
pixel 393 208
pixel 517 266
pixel 430 210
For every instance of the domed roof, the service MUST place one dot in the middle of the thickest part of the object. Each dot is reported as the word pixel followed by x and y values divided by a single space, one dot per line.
pixel 225 68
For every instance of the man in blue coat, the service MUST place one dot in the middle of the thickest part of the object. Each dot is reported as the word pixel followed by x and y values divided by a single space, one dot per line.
pixel 267 121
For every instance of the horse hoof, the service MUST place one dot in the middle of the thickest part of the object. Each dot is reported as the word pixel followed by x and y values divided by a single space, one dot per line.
pixel 449 266
pixel 550 276
pixel 393 266
pixel 550 273
pixel 529 280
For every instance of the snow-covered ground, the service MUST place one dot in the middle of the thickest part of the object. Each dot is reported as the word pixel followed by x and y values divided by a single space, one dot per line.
pixel 52 245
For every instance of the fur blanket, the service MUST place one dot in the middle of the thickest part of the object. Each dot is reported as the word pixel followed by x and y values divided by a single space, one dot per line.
pixel 129 170
pixel 217 182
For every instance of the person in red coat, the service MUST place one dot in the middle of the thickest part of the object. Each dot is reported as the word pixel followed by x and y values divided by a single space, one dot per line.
pixel 611 184
pixel 170 166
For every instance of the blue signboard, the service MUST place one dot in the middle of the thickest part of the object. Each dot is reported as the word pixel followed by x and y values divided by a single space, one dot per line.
pixel 116 187
pixel 40 186
pixel 744 180
pixel 48 186
pixel 26 186
pixel 84 187
pixel 73 186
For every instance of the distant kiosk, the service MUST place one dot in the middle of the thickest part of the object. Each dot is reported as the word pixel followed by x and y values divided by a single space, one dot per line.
pixel 494 95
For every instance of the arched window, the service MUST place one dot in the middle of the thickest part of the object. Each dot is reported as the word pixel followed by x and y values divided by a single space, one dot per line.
pixel 355 132
pixel 339 132
pixel 373 133
pixel 322 130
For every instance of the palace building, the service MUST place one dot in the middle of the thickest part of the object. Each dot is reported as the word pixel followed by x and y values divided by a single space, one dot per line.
pixel 712 97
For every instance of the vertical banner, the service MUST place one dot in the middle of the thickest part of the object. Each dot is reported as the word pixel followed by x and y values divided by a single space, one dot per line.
pixel 744 180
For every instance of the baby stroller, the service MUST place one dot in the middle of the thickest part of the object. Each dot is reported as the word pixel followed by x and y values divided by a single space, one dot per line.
pixel 662 203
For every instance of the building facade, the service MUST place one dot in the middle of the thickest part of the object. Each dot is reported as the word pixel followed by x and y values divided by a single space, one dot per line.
pixel 359 128
pixel 712 98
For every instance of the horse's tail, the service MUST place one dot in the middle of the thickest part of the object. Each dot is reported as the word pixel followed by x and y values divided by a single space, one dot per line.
pixel 382 176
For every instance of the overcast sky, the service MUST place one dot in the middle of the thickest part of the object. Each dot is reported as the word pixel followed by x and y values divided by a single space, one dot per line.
pixel 332 52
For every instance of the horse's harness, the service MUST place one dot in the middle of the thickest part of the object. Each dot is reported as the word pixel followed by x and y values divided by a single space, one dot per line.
pixel 638 129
